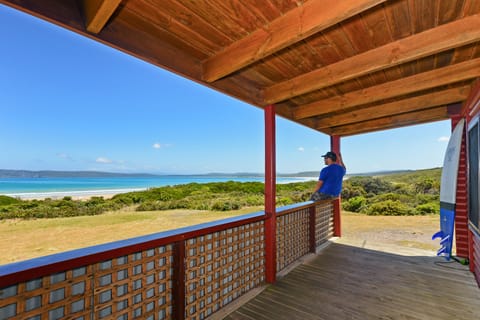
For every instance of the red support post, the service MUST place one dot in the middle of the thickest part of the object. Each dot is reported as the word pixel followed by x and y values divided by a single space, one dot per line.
pixel 178 290
pixel 270 184
pixel 337 204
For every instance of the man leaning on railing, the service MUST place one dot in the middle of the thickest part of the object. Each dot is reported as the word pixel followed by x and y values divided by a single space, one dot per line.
pixel 329 183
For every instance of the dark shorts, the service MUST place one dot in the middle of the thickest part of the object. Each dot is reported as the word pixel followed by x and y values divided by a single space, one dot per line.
pixel 316 196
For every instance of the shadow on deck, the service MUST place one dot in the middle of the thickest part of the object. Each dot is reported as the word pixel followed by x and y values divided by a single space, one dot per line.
pixel 351 282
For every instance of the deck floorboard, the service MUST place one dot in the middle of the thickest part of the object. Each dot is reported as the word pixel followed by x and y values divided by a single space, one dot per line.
pixel 351 282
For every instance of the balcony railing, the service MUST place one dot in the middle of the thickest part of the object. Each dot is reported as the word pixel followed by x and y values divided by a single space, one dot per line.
pixel 185 273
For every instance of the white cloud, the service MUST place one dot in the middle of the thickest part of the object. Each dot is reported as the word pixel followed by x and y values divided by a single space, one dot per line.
pixel 301 149
pixel 103 160
pixel 64 156
pixel 158 145
pixel 443 139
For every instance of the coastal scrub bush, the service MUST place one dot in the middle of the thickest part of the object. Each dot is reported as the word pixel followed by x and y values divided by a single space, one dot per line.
pixel 428 208
pixel 226 205
pixel 355 204
pixel 6 200
pixel 388 208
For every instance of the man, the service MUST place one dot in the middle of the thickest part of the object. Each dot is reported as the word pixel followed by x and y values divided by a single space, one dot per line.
pixel 329 183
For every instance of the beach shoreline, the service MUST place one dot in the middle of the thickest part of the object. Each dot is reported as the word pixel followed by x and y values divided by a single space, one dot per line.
pixel 86 194
pixel 75 195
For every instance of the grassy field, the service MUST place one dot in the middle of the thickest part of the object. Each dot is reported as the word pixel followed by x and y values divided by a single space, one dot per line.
pixel 25 239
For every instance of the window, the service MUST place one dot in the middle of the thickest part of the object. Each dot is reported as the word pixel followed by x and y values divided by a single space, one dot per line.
pixel 473 165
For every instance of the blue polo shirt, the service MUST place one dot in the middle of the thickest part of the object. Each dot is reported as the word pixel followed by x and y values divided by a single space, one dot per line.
pixel 332 177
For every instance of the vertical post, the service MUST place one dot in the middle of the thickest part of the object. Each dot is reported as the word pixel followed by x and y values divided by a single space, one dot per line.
pixel 337 204
pixel 178 290
pixel 461 197
pixel 270 181
pixel 313 222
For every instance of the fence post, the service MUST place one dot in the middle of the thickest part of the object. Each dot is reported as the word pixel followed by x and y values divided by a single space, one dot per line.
pixel 178 290
pixel 313 222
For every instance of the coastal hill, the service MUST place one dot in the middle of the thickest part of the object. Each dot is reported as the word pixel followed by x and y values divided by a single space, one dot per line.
pixel 5 173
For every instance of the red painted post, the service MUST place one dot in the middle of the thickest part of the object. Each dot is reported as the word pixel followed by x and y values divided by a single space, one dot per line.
pixel 270 171
pixel 337 204
pixel 178 290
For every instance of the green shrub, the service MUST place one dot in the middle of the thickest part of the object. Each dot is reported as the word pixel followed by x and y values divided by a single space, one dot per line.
pixel 355 204
pixel 389 208
pixel 428 208
pixel 226 206
pixel 5 200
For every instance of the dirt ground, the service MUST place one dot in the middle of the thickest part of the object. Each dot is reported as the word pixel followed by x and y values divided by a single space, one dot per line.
pixel 407 231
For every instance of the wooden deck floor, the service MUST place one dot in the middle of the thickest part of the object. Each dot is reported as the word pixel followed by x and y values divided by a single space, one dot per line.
pixel 351 282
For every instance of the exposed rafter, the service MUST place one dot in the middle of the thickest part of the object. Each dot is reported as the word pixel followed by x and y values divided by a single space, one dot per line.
pixel 97 13
pixel 444 37
pixel 412 118
pixel 418 103
pixel 426 80
pixel 296 25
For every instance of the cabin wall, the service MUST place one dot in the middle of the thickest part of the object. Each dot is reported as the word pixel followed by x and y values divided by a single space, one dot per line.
pixel 471 111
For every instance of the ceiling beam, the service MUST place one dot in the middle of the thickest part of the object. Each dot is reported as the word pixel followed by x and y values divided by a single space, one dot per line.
pixel 422 81
pixel 297 24
pixel 97 13
pixel 418 103
pixel 444 37
pixel 402 120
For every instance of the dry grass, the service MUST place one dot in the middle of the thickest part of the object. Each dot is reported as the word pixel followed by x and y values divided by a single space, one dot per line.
pixel 406 231
pixel 25 239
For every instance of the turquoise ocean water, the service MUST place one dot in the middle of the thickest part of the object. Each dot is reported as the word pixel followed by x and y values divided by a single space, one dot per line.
pixel 59 187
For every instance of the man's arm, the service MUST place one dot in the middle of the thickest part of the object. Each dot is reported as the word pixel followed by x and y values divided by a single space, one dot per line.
pixel 340 161
pixel 319 185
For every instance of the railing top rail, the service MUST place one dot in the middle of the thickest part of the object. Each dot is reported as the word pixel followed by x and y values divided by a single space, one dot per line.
pixel 297 206
pixel 37 267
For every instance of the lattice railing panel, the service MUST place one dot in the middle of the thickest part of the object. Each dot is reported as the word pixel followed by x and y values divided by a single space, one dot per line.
pixel 135 286
pixel 323 222
pixel 222 266
pixel 292 237
pixel 52 297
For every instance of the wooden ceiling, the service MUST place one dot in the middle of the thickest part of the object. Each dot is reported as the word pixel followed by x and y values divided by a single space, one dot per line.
pixel 341 67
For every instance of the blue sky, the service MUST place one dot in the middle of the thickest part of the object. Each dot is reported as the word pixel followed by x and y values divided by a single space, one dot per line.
pixel 69 103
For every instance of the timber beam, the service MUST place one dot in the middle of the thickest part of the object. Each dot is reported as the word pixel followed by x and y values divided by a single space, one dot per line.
pixel 429 42
pixel 419 82
pixel 98 12
pixel 425 101
pixel 309 18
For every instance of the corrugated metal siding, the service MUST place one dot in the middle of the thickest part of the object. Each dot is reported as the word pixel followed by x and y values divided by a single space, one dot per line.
pixel 461 208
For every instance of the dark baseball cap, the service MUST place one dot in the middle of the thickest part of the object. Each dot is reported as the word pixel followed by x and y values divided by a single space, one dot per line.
pixel 330 155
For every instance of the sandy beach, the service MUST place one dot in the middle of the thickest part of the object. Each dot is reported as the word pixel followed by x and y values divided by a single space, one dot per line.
pixel 75 195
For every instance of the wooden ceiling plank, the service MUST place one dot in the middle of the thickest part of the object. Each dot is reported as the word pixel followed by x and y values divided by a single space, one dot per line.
pixel 423 81
pixel 425 101
pixel 407 119
pixel 296 25
pixel 97 13
pixel 448 36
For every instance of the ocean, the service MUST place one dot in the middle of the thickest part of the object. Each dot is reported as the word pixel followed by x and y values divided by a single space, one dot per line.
pixel 34 188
